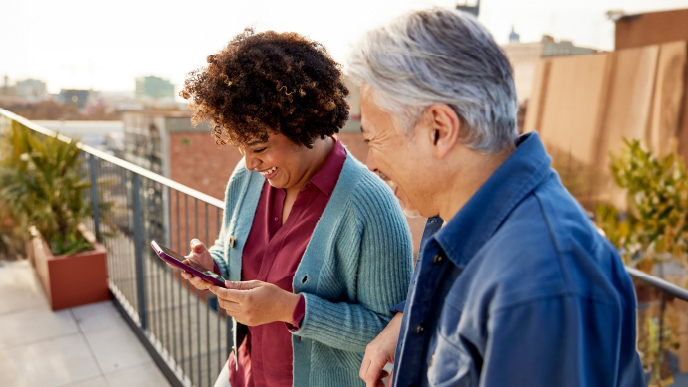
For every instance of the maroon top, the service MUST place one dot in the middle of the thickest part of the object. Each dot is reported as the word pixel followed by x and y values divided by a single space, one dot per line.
pixel 272 253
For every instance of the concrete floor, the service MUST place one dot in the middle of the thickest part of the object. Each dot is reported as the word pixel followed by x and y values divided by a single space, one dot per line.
pixel 89 345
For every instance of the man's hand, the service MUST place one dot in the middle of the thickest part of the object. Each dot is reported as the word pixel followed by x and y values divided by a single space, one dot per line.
pixel 255 303
pixel 379 352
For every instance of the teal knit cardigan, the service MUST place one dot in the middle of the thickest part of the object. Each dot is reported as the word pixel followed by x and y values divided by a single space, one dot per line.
pixel 357 265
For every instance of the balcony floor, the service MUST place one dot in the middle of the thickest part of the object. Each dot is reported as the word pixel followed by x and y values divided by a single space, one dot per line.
pixel 90 345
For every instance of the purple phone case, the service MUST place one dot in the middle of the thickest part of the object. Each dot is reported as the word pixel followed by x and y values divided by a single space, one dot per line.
pixel 174 262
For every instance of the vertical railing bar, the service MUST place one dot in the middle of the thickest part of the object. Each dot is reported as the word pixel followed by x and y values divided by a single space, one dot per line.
pixel 174 315
pixel 158 290
pixel 130 282
pixel 188 291
pixel 198 305
pixel 138 245
pixel 151 235
pixel 164 272
pixel 219 313
pixel 207 303
pixel 94 195
pixel 145 249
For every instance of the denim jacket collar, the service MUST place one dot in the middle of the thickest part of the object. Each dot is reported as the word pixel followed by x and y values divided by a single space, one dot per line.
pixel 485 211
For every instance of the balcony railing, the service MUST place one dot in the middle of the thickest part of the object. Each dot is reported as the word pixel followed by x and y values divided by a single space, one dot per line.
pixel 184 330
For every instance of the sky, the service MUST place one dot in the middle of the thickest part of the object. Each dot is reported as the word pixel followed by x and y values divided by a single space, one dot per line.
pixel 105 45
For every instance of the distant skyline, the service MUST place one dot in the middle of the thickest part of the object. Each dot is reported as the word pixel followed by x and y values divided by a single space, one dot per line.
pixel 105 46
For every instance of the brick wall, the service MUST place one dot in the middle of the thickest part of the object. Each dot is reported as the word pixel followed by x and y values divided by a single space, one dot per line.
pixel 196 161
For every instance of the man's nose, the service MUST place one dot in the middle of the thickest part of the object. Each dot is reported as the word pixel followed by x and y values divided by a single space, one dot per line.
pixel 370 162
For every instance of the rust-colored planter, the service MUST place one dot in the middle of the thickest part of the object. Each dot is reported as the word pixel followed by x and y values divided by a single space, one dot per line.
pixel 71 280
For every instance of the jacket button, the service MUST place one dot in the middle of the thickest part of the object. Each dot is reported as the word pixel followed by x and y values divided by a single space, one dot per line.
pixel 232 241
pixel 420 328
pixel 438 259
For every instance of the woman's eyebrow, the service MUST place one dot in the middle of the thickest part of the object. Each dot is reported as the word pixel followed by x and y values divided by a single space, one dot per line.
pixel 256 142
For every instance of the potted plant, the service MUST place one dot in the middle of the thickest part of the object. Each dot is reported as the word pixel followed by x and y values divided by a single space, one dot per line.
pixel 652 233
pixel 42 180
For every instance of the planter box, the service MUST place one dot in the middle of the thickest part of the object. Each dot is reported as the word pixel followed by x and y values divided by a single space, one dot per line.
pixel 71 280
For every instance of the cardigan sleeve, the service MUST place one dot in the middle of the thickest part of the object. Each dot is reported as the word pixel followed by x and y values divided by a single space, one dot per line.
pixel 217 250
pixel 376 237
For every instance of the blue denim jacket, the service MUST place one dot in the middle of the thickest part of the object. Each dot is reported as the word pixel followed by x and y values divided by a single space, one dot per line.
pixel 519 289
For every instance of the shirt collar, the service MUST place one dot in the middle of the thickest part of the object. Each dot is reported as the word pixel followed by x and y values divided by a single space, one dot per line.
pixel 326 178
pixel 464 234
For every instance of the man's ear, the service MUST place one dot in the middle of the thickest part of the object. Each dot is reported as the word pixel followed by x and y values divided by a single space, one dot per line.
pixel 444 126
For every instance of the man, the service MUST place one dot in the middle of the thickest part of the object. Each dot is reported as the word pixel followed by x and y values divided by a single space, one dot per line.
pixel 517 288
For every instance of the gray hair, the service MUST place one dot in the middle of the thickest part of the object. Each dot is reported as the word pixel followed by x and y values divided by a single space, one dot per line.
pixel 440 56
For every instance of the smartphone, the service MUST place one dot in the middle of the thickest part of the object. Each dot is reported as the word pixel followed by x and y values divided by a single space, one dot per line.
pixel 175 259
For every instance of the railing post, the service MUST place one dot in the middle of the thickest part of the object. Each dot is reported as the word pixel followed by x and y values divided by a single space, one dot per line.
pixel 94 194
pixel 138 250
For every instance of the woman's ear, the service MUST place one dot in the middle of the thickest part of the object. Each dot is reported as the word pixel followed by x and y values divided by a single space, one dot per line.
pixel 444 126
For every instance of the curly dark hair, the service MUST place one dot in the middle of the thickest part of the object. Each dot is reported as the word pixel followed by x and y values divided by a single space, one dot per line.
pixel 269 81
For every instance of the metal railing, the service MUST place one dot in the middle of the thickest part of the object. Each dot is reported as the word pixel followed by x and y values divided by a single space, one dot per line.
pixel 181 327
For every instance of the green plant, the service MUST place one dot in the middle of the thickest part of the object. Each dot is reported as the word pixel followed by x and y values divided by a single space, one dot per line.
pixel 653 230
pixel 42 180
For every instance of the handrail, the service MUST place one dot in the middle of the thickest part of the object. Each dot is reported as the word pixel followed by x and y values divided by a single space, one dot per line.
pixel 664 285
pixel 661 283
pixel 117 161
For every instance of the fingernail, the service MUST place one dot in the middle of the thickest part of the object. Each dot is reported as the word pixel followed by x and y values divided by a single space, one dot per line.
pixel 228 284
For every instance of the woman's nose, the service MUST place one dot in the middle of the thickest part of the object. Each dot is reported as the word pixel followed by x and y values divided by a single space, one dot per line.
pixel 252 162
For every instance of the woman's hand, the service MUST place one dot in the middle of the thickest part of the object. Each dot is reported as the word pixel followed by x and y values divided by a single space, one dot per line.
pixel 255 303
pixel 201 260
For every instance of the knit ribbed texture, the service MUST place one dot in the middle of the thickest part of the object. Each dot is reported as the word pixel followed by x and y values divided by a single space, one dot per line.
pixel 357 265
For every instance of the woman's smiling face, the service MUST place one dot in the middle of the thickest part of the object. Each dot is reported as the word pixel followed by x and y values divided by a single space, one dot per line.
pixel 284 163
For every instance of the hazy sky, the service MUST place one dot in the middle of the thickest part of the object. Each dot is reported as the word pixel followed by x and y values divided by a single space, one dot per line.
pixel 105 45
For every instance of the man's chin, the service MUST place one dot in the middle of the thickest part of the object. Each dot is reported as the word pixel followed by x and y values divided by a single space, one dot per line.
pixel 410 213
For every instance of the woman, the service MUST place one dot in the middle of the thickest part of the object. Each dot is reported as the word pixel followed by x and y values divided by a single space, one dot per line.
pixel 315 245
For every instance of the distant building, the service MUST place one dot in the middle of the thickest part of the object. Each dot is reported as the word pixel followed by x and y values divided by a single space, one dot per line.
pixel 31 88
pixel 472 9
pixel 74 97
pixel 154 87
pixel 525 56
pixel 651 28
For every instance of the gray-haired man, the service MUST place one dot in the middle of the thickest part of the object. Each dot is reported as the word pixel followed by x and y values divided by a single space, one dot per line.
pixel 517 288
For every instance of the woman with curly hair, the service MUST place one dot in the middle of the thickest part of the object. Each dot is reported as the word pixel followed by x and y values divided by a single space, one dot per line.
pixel 314 245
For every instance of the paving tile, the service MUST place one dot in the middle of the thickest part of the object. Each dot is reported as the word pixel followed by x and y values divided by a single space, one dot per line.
pixel 148 375
pixel 35 324
pixel 9 376
pixel 20 288
pixel 98 316
pixel 60 361
pixel 117 348
pixel 98 381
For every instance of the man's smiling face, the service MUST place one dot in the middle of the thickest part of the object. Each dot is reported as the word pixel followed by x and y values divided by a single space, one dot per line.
pixel 391 154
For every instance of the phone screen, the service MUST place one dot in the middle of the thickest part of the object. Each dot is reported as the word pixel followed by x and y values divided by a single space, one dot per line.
pixel 172 253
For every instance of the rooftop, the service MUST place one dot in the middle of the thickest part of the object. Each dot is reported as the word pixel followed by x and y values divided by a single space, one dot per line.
pixel 90 345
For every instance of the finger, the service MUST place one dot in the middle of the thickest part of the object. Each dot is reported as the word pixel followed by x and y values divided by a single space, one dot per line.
pixel 197 246
pixel 379 382
pixel 243 285
pixel 373 372
pixel 363 371
pixel 237 296
pixel 233 309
